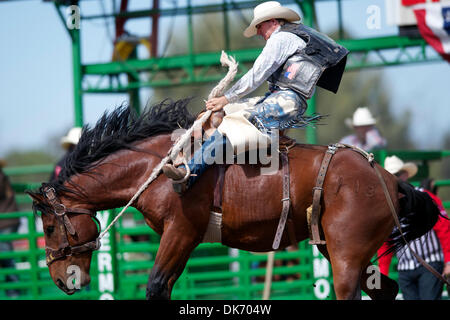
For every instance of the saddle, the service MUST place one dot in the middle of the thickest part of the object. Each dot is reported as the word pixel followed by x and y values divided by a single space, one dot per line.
pixel 313 212
pixel 213 233
pixel 285 144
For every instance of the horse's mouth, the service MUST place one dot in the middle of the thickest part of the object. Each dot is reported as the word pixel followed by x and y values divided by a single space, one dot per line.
pixel 64 288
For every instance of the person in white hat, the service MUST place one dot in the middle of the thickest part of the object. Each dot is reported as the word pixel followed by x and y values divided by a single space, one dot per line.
pixel 366 136
pixel 293 61
pixel 70 140
pixel 397 167
pixel 68 143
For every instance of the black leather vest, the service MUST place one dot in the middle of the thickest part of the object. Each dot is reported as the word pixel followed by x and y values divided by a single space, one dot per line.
pixel 321 62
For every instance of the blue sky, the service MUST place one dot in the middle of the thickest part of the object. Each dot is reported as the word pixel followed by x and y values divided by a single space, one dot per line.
pixel 36 76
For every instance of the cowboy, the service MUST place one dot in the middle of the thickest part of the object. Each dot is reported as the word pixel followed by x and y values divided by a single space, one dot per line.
pixel 294 60
pixel 68 143
pixel 366 136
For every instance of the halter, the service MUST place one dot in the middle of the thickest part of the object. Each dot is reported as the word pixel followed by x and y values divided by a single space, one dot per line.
pixel 64 225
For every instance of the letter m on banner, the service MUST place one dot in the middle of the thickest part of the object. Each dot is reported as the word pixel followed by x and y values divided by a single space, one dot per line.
pixel 433 21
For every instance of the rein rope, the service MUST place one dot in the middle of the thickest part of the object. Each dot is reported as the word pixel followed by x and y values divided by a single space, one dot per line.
pixel 186 137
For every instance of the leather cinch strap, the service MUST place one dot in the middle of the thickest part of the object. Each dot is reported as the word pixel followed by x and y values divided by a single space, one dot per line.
pixel 286 206
pixel 317 196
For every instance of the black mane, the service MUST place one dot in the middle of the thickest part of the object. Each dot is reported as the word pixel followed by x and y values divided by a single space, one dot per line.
pixel 119 130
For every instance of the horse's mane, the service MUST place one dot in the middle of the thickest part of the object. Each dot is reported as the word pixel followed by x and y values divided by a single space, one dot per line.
pixel 120 129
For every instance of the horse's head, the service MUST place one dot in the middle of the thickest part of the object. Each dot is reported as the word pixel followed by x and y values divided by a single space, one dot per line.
pixel 71 235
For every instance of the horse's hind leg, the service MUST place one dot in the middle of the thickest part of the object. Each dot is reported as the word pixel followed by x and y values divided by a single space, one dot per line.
pixel 383 288
pixel 173 253
pixel 346 276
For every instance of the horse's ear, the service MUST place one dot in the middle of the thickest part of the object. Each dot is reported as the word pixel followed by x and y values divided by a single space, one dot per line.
pixel 36 196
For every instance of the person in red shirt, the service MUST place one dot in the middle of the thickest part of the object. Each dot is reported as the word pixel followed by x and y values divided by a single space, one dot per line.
pixel 417 283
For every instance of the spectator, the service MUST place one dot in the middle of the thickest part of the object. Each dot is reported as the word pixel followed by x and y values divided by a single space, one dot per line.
pixel 398 168
pixel 366 136
pixel 7 226
pixel 416 282
pixel 68 143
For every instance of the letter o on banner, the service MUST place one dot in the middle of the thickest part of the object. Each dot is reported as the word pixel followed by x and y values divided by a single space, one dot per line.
pixel 322 289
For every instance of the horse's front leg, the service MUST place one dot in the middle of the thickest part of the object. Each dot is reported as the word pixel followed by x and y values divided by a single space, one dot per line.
pixel 177 243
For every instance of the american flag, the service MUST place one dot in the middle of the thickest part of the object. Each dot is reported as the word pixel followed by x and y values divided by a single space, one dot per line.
pixel 291 71
pixel 433 21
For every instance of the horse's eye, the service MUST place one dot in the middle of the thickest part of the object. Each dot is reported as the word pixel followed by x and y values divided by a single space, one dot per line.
pixel 49 230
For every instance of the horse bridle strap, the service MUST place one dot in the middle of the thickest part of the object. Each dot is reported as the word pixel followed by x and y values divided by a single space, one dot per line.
pixel 317 196
pixel 64 226
pixel 56 254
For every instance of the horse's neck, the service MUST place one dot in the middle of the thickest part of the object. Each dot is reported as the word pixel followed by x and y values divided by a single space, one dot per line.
pixel 116 179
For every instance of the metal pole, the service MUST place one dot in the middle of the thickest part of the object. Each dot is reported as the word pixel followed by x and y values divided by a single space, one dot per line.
pixel 154 36
pixel 77 77
pixel 190 41
pixel 307 7
pixel 34 261
pixel 135 101
pixel 226 26
pixel 341 28
pixel 74 34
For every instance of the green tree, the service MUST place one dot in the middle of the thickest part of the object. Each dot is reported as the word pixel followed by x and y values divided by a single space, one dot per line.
pixel 31 157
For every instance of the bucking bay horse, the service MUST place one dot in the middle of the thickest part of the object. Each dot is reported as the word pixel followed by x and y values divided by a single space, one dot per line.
pixel 114 158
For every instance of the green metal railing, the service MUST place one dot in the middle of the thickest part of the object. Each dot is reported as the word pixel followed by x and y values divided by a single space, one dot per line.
pixel 33 279
pixel 213 272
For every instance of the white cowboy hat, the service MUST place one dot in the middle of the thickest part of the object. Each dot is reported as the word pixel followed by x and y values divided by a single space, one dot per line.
pixel 394 165
pixel 269 10
pixel 361 117
pixel 72 137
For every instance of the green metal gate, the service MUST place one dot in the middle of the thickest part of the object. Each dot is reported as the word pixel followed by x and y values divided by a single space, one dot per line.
pixel 121 267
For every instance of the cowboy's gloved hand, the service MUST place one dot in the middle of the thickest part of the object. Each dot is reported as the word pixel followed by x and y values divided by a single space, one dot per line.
pixel 216 104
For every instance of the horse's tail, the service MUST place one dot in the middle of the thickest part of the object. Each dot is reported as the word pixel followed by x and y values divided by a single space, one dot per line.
pixel 418 214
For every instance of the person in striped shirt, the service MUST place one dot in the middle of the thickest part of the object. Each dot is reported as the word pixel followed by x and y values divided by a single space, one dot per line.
pixel 417 283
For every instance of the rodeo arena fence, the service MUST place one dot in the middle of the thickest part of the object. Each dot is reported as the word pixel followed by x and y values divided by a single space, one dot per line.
pixel 120 269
